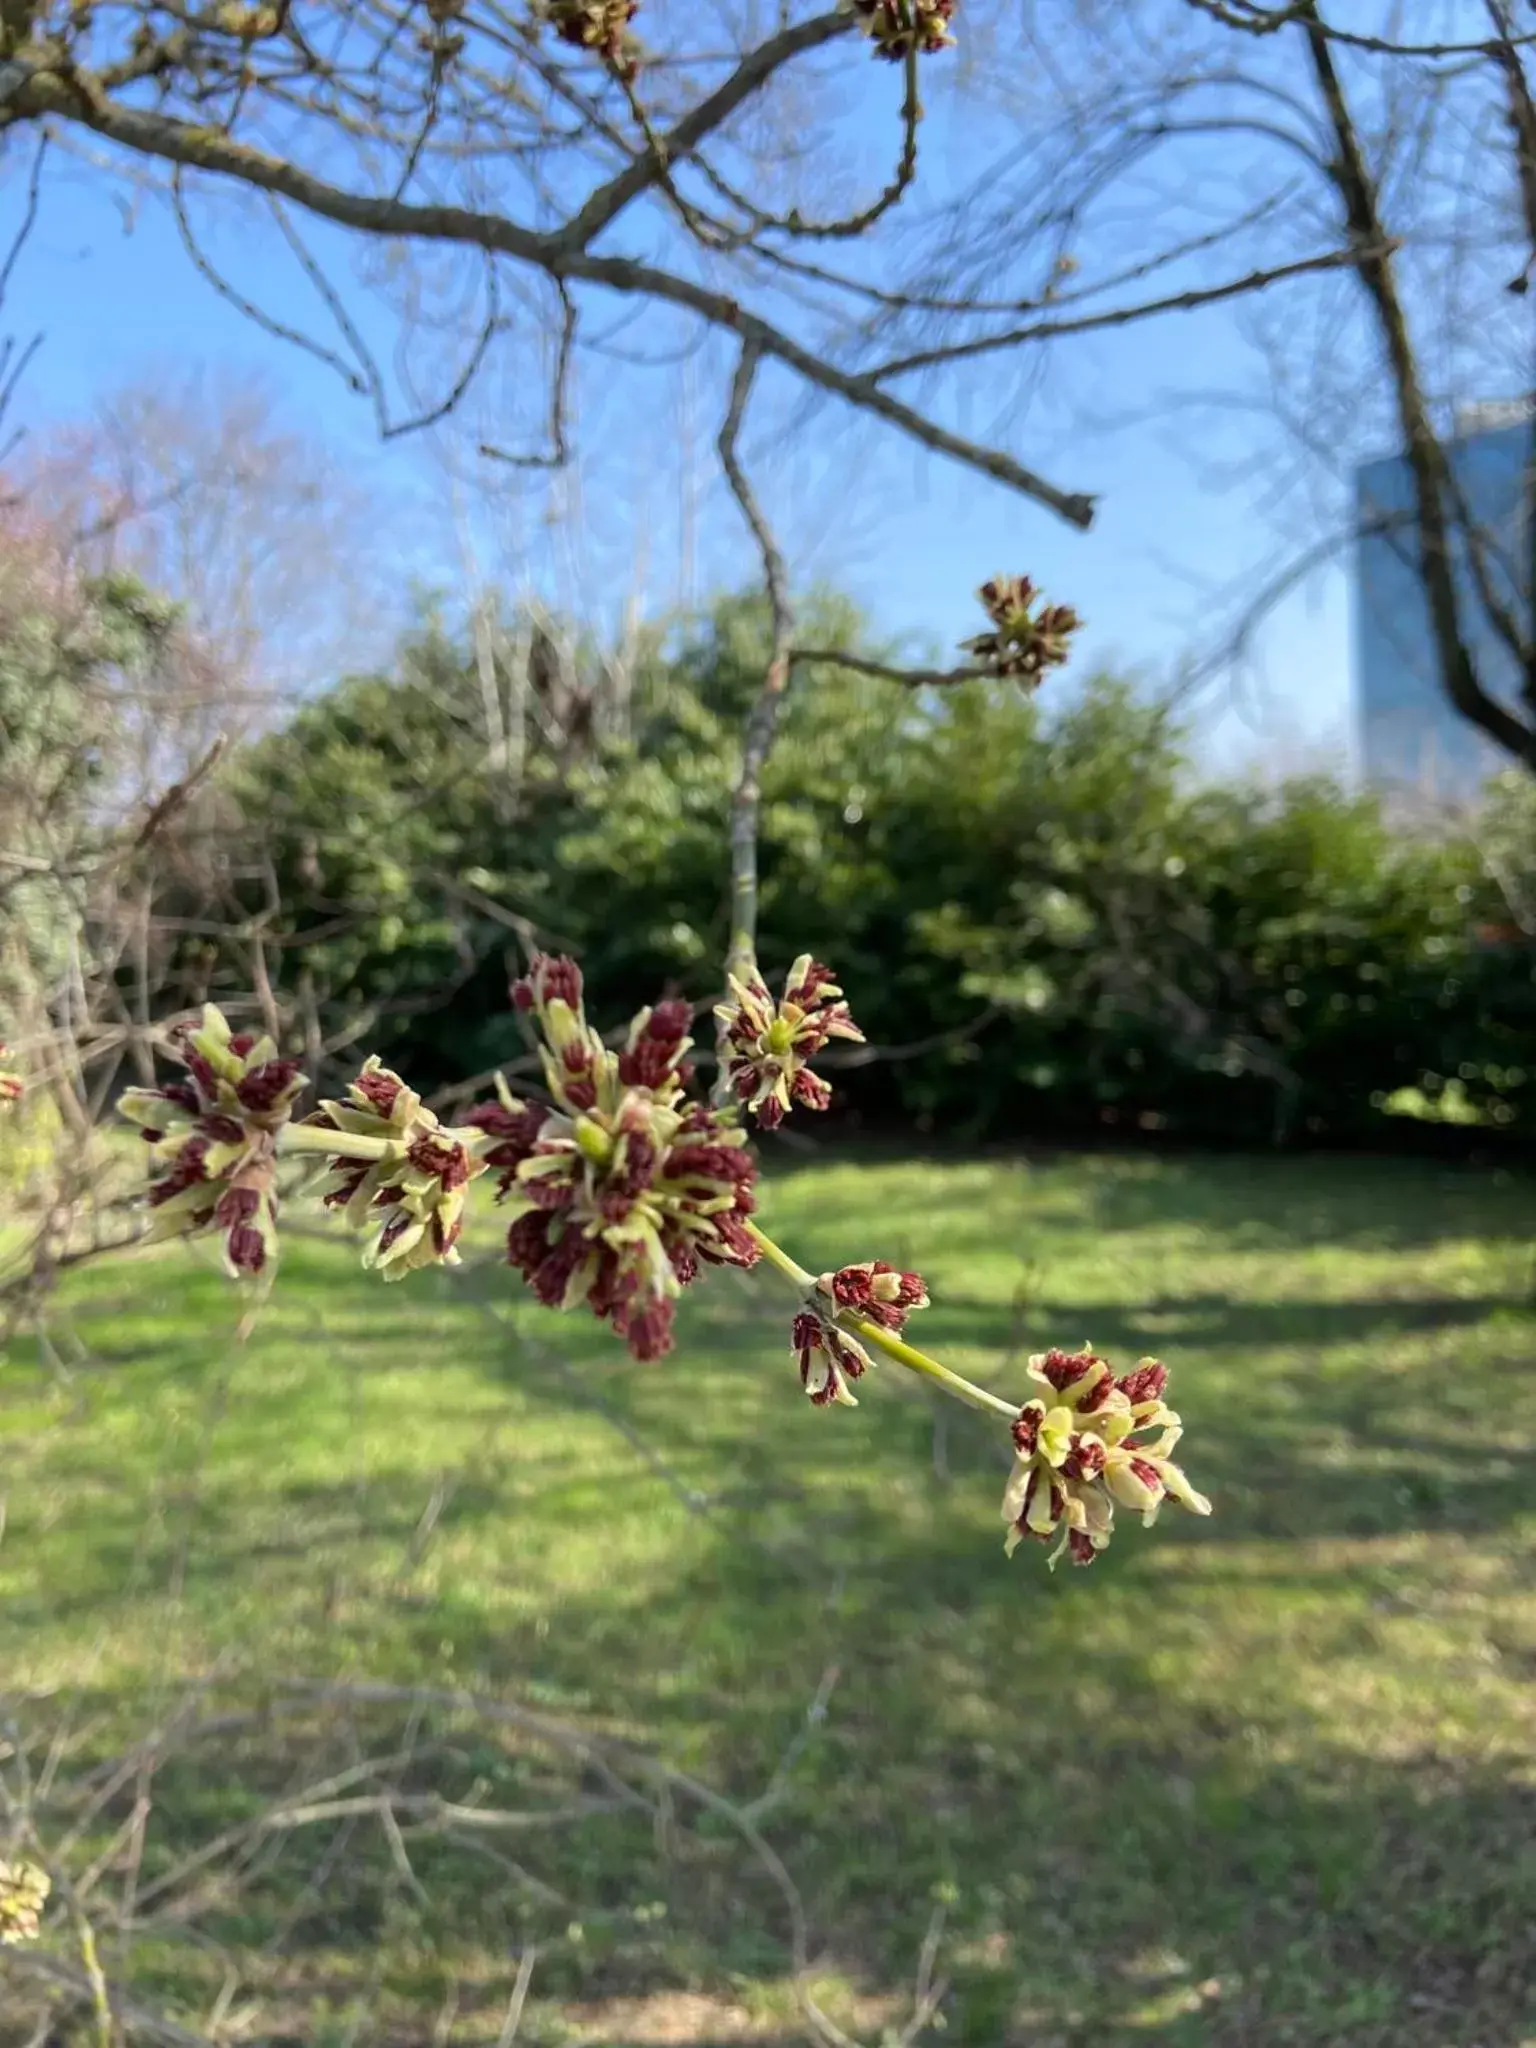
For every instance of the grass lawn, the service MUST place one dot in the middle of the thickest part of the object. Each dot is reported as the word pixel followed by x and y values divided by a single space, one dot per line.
pixel 1266 1779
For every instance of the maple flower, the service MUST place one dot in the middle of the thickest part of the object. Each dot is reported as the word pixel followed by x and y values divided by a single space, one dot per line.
pixel 24 1892
pixel 829 1358
pixel 1023 642
pixel 877 1292
pixel 601 25
pixel 897 26
pixel 769 1045
pixel 214 1139
pixel 621 1189
pixel 415 1190
pixel 1095 1440
pixel 12 1087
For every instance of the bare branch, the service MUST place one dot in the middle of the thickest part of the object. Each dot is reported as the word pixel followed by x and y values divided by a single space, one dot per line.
pixel 1263 21
pixel 909 678
pixel 278 329
pixel 763 723
pixel 174 141
pixel 559 453
pixel 1426 456
pixel 28 216
pixel 1122 316
pixel 680 141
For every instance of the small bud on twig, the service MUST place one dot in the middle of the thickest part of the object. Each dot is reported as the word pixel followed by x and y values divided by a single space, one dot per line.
pixel 877 1292
pixel 1024 642
pixel 829 1358
pixel 417 1182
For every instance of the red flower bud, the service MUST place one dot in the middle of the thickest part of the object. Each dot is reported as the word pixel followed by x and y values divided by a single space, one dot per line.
pixel 246 1248
pixel 448 1160
pixel 1026 1431
pixel 1064 1368
pixel 382 1091
pixel 669 1021
pixel 1145 1382
pixel 263 1086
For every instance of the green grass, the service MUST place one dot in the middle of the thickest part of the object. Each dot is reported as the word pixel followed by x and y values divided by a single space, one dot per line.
pixel 1263 1779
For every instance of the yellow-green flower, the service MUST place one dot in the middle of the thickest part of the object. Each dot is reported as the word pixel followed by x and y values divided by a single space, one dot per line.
pixel 213 1139
pixel 769 1044
pixel 1094 1442
pixel 415 1190
pixel 24 1892
pixel 1024 642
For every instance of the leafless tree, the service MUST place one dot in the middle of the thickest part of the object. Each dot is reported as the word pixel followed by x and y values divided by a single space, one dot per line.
pixel 198 484
pixel 715 186
pixel 1375 169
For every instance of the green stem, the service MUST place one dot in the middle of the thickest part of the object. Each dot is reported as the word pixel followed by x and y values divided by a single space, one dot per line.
pixel 344 1144
pixel 101 2001
pixel 780 1259
pixel 883 1341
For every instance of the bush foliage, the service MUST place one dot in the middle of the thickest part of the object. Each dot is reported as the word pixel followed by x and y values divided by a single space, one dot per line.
pixel 1130 948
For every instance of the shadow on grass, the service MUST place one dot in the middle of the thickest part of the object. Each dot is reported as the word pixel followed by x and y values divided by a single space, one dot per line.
pixel 1200 1795
pixel 1116 1865
pixel 1271 1202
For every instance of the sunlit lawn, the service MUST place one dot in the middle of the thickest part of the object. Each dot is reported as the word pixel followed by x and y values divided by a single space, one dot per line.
pixel 1265 1779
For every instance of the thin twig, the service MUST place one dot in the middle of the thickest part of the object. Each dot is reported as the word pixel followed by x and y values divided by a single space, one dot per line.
pixel 514 2018
pixel 763 722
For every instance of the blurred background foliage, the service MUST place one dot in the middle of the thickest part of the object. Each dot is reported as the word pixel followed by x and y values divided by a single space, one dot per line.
pixel 1039 911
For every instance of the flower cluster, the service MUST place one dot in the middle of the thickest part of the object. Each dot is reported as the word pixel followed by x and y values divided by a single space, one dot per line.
pixel 1023 642
pixel 623 1187
pixel 877 1292
pixel 414 1178
pixel 1096 1442
pixel 601 25
pixel 12 1087
pixel 768 1045
pixel 897 26
pixel 829 1357
pixel 214 1138
pixel 24 1892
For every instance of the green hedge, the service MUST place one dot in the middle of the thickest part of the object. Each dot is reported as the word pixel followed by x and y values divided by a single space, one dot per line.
pixel 1040 896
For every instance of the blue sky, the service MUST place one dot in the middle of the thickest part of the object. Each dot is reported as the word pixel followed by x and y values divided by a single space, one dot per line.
pixel 906 533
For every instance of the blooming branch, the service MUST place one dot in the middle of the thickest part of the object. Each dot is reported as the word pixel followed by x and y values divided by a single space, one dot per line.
pixel 621 1187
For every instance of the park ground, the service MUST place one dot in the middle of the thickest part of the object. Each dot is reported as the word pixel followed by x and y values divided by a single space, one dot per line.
pixel 1264 1779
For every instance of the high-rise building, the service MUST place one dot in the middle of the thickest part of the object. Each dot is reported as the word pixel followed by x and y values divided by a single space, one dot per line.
pixel 1414 745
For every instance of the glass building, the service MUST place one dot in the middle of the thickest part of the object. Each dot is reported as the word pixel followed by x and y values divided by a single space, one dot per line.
pixel 1414 744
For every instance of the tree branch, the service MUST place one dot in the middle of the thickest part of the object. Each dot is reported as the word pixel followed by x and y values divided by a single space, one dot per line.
pixel 684 136
pixel 763 723
pixel 174 141
pixel 909 678
pixel 1120 316
pixel 1426 457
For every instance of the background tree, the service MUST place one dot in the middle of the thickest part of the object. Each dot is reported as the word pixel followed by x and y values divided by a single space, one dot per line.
pixel 1254 137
